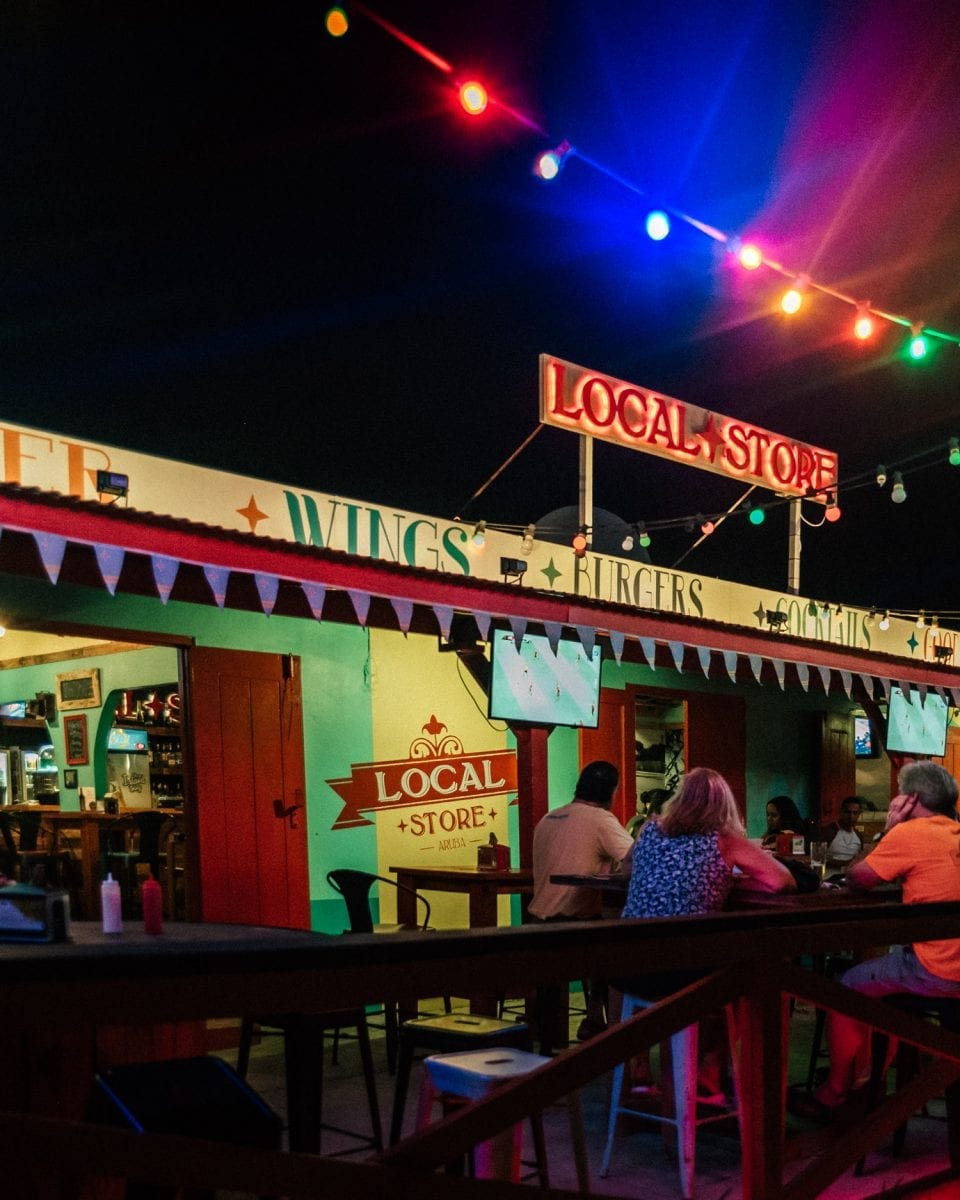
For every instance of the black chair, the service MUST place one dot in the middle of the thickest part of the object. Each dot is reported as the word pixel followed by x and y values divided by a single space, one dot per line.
pixel 354 886
pixel 147 826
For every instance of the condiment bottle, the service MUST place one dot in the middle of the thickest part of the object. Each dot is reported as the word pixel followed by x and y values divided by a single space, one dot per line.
pixel 110 907
pixel 151 897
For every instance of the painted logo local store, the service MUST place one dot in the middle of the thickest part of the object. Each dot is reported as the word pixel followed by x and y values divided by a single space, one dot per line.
pixel 323 649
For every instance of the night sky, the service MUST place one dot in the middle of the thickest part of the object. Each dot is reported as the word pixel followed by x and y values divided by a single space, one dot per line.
pixel 232 239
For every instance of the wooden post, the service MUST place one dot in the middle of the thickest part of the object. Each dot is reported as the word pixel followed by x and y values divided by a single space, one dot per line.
pixel 532 783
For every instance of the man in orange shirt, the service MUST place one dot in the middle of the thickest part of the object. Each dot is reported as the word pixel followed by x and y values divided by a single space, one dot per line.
pixel 920 846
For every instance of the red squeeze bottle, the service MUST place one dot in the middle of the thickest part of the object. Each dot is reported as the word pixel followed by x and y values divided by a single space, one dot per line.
pixel 151 896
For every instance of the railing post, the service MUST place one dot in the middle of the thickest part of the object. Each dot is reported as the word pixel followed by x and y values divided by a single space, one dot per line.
pixel 762 1016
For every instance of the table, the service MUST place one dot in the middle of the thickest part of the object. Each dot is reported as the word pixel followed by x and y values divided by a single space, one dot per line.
pixel 482 886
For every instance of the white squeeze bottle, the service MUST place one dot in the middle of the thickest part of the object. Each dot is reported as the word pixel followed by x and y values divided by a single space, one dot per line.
pixel 110 906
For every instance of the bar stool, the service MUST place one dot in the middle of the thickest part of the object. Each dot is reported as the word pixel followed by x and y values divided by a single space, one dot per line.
pixel 455 1031
pixel 946 1012
pixel 683 1055
pixel 473 1074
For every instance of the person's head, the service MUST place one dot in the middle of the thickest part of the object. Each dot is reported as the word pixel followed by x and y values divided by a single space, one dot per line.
pixel 850 810
pixel 703 803
pixel 597 783
pixel 783 815
pixel 933 785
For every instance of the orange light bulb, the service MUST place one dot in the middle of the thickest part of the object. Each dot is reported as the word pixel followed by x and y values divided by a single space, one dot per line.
pixel 473 97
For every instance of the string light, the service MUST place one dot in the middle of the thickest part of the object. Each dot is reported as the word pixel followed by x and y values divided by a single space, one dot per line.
pixel 953 457
pixel 642 536
pixel 898 493
pixel 757 514
pixel 549 164
pixel 336 22
pixel 792 299
pixel 832 512
pixel 526 542
pixel 863 324
pixel 881 475
pixel 580 542
pixel 473 97
pixel 479 533
pixel 917 347
pixel 921 619
pixel 750 257
pixel 885 621
pixel 657 225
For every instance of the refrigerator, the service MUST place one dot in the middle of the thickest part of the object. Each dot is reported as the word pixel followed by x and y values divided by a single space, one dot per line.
pixel 13 781
pixel 128 767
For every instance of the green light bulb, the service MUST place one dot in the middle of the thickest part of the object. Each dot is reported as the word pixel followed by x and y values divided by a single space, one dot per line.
pixel 757 516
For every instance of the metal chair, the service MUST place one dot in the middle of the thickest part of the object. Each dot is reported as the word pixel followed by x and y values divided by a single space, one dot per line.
pixel 354 886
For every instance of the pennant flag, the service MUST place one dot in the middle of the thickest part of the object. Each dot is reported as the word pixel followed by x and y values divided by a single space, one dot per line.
pixel 218 578
pixel 825 678
pixel 444 615
pixel 404 610
pixel 361 605
pixel 315 593
pixel 885 684
pixel 703 653
pixel 867 681
pixel 756 665
pixel 847 680
pixel 588 638
pixel 267 588
pixel 616 644
pixel 939 690
pixel 730 662
pixel 110 561
pixel 922 691
pixel 649 648
pixel 779 669
pixel 676 649
pixel 483 625
pixel 164 574
pixel 519 627
pixel 905 688
pixel 52 548
pixel 803 674
pixel 553 630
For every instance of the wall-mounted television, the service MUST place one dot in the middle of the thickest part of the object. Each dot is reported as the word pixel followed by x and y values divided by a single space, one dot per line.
pixel 866 744
pixel 915 728
pixel 534 684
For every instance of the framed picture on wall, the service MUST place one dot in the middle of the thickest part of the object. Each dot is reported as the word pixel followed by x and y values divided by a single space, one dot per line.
pixel 75 740
pixel 78 689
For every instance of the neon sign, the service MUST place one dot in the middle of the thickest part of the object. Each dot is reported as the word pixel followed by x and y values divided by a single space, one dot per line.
pixel 599 406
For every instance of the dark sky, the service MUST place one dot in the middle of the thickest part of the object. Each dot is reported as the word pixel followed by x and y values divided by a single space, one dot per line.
pixel 233 240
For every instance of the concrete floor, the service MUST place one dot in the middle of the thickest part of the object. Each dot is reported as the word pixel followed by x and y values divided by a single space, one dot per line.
pixel 640 1166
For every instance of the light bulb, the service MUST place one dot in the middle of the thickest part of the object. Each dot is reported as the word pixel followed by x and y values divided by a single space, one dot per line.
pixel 833 512
pixel 881 475
pixel 885 621
pixel 953 458
pixel 791 301
pixel 750 257
pixel 480 533
pixel 526 542
pixel 336 22
pixel 898 493
pixel 863 324
pixel 642 535
pixel 657 225
pixel 917 347
pixel 580 542
pixel 707 527
pixel 627 543
pixel 757 515
pixel 473 98
pixel 921 619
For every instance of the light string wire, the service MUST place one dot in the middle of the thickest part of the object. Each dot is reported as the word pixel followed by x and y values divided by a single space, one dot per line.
pixel 731 241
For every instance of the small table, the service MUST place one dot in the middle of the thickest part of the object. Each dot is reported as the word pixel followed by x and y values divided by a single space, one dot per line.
pixel 482 886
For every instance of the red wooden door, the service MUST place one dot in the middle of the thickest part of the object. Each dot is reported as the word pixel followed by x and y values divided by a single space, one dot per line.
pixel 716 736
pixel 246 715
pixel 614 739
pixel 838 765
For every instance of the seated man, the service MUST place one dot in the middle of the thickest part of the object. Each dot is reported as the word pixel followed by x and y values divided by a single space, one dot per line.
pixel 845 843
pixel 921 846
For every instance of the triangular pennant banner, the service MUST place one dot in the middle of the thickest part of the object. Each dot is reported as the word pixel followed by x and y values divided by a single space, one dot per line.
pixel 867 681
pixel 922 690
pixel 483 625
pixel 847 680
pixel 780 670
pixel 803 674
pixel 676 649
pixel 588 638
pixel 703 653
pixel 616 644
pixel 110 561
pixel 404 610
pixel 267 588
pixel 519 627
pixel 955 697
pixel 52 548
pixel 649 648
pixel 756 665
pixel 939 690
pixel 361 606
pixel 218 578
pixel 164 574
pixel 905 688
pixel 444 615
pixel 730 662
pixel 315 593
pixel 885 684
pixel 553 630
pixel 825 678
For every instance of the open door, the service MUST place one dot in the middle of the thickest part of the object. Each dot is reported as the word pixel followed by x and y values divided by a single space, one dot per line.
pixel 250 837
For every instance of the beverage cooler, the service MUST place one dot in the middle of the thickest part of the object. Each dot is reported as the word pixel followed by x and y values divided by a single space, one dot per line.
pixel 29 776
pixel 128 766
pixel 13 784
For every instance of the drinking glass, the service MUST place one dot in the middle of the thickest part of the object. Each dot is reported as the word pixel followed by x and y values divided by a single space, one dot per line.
pixel 818 856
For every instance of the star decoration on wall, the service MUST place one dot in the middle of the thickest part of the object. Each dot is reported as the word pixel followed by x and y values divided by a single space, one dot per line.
pixel 253 514
pixel 551 572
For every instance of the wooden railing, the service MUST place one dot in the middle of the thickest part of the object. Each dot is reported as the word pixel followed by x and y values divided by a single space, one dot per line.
pixel 758 950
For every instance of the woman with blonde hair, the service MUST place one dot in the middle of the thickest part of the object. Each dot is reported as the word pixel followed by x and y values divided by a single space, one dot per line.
pixel 684 861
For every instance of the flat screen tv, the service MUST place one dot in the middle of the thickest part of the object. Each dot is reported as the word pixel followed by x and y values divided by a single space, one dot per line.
pixel 534 684
pixel 865 741
pixel 913 728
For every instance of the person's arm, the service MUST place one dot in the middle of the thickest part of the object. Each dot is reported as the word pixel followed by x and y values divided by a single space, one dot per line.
pixel 761 872
pixel 860 875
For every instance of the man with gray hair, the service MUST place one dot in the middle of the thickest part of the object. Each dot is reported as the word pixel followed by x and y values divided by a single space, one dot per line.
pixel 920 846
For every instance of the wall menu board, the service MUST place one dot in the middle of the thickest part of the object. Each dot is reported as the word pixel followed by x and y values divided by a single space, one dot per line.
pixel 78 689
